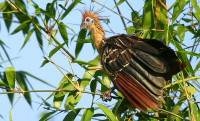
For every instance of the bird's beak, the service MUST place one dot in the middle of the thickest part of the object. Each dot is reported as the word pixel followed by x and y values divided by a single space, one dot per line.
pixel 83 25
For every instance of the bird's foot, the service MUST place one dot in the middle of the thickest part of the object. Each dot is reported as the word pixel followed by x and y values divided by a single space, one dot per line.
pixel 107 95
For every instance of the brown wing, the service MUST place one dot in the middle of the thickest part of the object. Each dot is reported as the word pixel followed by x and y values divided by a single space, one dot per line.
pixel 139 68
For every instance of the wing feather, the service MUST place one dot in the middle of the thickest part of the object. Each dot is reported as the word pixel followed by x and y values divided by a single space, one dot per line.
pixel 139 69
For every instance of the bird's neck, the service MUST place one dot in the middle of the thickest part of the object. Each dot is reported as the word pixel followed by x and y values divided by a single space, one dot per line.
pixel 98 35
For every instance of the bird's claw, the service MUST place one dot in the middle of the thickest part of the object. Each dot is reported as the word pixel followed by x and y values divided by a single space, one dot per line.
pixel 107 95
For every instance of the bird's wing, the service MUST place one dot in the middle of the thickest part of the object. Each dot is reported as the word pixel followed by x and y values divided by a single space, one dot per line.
pixel 137 70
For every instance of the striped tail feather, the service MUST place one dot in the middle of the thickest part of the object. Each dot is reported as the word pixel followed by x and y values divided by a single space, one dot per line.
pixel 135 93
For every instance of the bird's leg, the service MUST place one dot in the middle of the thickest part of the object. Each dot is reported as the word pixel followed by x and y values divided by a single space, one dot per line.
pixel 95 67
pixel 107 94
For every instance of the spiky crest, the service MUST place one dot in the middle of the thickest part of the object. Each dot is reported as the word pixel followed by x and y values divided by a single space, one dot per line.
pixel 98 33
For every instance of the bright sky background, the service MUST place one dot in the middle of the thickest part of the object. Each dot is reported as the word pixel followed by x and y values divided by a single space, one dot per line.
pixel 31 57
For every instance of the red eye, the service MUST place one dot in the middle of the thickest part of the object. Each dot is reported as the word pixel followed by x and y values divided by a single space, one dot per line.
pixel 87 19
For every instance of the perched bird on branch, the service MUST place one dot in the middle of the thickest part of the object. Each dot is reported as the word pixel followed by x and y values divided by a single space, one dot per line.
pixel 139 68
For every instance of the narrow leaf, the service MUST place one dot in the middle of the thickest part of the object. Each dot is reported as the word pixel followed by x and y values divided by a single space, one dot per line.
pixel 120 2
pixel 195 6
pixel 148 18
pixel 44 63
pixel 3 84
pixel 87 114
pixel 20 5
pixel 55 50
pixel 71 115
pixel 197 67
pixel 10 116
pixel 21 27
pixel 161 14
pixel 10 76
pixel 39 38
pixel 8 17
pixel 46 116
pixel 81 36
pixel 71 6
pixel 53 33
pixel 21 79
pixel 63 32
pixel 181 32
pixel 27 38
pixel 108 112
pixel 178 8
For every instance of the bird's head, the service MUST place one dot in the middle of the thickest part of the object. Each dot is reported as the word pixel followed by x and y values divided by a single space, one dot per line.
pixel 90 21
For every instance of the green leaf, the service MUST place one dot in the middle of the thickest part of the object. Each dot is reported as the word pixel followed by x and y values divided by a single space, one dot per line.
pixel 105 83
pixel 63 85
pixel 44 63
pixel 178 8
pixel 63 32
pixel 108 112
pixel 54 32
pixel 10 116
pixel 81 36
pixel 181 32
pixel 10 76
pixel 197 16
pixel 148 19
pixel 195 6
pixel 67 11
pixel 190 53
pixel 88 74
pixel 93 86
pixel 183 57
pixel 161 14
pixel 8 17
pixel 39 38
pixel 196 112
pixel 57 101
pixel 55 50
pixel 21 79
pixel 71 115
pixel 47 14
pixel 3 84
pixel 46 116
pixel 120 2
pixel 50 12
pixel 83 62
pixel 191 90
pixel 4 50
pixel 27 38
pixel 169 31
pixel 197 66
pixel 87 114
pixel 20 5
pixel 21 26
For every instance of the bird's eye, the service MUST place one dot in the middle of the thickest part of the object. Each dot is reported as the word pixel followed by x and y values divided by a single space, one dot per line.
pixel 87 19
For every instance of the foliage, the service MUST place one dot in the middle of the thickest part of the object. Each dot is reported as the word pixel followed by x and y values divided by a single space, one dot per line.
pixel 171 24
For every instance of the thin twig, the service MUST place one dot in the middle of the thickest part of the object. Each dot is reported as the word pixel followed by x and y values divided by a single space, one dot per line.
pixel 120 16
pixel 168 112
pixel 115 12
pixel 188 79
pixel 186 94
pixel 16 91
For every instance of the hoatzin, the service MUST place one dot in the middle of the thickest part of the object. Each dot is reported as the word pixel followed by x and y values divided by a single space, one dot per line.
pixel 138 68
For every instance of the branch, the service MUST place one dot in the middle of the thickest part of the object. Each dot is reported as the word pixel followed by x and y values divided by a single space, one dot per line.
pixel 16 91
pixel 188 79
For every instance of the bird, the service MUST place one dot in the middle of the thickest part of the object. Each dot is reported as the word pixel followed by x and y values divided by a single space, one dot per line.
pixel 138 68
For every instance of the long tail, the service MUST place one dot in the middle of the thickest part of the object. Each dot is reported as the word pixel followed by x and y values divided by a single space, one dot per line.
pixel 135 93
